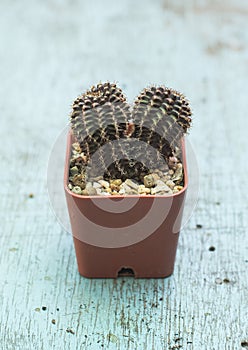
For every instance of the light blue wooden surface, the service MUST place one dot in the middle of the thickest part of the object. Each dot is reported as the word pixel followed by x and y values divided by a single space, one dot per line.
pixel 50 52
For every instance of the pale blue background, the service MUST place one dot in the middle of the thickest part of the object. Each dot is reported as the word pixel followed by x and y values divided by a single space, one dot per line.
pixel 50 52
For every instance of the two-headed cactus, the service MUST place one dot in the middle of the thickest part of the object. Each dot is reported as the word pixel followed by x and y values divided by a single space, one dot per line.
pixel 127 143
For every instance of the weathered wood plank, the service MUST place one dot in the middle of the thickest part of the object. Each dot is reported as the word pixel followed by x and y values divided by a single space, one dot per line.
pixel 52 50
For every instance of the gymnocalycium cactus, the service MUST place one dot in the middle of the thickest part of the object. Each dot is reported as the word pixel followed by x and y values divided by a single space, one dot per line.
pixel 101 116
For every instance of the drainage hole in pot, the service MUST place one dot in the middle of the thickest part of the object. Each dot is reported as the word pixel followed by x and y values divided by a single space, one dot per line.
pixel 126 271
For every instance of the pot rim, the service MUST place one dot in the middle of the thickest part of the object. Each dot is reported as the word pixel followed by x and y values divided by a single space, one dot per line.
pixel 151 196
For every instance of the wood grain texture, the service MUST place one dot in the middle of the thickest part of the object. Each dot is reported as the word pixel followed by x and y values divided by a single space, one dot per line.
pixel 50 52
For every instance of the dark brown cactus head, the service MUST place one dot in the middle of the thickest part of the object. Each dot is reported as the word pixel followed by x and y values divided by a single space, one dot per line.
pixel 161 116
pixel 98 116
pixel 101 116
pixel 98 95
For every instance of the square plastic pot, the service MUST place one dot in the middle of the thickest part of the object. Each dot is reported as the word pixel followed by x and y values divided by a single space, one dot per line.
pixel 125 235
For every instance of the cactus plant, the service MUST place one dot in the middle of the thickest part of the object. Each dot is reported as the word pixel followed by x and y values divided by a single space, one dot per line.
pixel 102 117
pixel 161 116
pixel 94 115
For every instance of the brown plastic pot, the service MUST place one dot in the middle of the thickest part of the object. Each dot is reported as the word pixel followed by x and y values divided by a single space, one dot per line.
pixel 111 241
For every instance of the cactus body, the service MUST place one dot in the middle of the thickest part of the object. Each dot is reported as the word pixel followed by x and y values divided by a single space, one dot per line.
pixel 94 116
pixel 161 116
pixel 104 126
